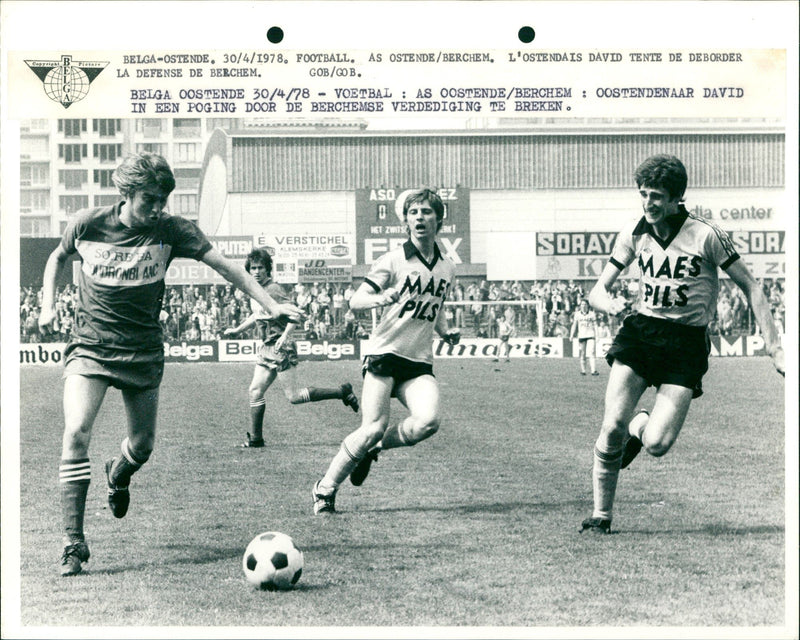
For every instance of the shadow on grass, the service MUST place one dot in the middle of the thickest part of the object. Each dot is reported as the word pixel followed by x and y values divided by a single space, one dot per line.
pixel 713 530
pixel 192 555
pixel 494 507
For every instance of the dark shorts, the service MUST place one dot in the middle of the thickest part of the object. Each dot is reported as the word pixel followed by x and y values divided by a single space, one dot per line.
pixel 280 360
pixel 388 365
pixel 129 370
pixel 663 352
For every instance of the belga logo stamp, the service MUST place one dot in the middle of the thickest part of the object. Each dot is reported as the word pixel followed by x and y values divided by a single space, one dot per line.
pixel 66 80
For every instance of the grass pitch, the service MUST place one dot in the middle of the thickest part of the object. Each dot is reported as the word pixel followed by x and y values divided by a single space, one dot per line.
pixel 476 527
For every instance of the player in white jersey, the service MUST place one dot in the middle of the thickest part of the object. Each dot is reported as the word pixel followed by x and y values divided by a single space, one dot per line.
pixel 584 326
pixel 277 354
pixel 117 341
pixel 665 342
pixel 412 283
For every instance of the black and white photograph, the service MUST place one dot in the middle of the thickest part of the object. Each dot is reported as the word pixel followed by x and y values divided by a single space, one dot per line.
pixel 394 319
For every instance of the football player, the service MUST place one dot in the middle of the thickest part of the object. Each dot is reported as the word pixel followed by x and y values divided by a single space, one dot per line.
pixel 277 354
pixel 665 342
pixel 411 283
pixel 117 340
pixel 584 324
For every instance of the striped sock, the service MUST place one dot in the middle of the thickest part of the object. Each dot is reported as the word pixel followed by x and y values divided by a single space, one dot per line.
pixel 395 436
pixel 343 463
pixel 257 410
pixel 74 476
pixel 605 473
pixel 126 465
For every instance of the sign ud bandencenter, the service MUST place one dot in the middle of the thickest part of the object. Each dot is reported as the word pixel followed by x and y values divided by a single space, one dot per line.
pixel 379 230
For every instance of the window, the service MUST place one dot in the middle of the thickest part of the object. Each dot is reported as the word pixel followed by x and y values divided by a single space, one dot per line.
pixel 72 178
pixel 188 151
pixel 105 201
pixel 220 123
pixel 103 177
pixel 106 126
pixel 32 200
pixel 34 147
pixel 152 147
pixel 187 178
pixel 107 152
pixel 71 204
pixel 71 128
pixel 72 152
pixel 150 127
pixel 185 204
pixel 34 227
pixel 34 175
pixel 186 127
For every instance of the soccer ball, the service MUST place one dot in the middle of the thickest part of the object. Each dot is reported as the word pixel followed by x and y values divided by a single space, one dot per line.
pixel 272 562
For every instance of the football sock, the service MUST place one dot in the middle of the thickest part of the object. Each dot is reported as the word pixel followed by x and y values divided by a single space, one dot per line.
pixel 605 473
pixel 637 425
pixel 395 437
pixel 592 365
pixel 74 476
pixel 315 394
pixel 349 455
pixel 257 410
pixel 126 465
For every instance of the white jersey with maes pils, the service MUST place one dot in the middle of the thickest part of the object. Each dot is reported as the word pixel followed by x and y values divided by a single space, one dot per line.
pixel 679 280
pixel 406 326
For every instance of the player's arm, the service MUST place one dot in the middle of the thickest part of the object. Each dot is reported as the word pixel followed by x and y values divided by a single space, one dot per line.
pixel 366 297
pixel 600 296
pixel 248 322
pixel 287 330
pixel 741 275
pixel 238 277
pixel 574 325
pixel 53 267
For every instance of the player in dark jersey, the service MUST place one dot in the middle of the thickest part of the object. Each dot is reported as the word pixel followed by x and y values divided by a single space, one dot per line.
pixel 277 355
pixel 117 339
pixel 665 342
pixel 412 283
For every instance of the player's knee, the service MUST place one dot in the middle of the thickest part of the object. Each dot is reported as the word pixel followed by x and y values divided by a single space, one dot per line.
pixel 76 437
pixel 657 448
pixel 612 435
pixel 423 428
pixel 293 396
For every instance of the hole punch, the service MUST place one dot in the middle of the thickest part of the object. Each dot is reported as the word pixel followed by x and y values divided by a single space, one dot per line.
pixel 275 35
pixel 526 34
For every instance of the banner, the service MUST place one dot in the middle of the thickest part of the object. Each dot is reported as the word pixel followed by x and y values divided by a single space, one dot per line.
pixel 184 351
pixel 290 251
pixel 379 230
pixel 325 271
pixel 313 350
pixel 582 255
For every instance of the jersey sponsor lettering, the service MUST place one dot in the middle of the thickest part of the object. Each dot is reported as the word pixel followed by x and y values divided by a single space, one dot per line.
pixel 406 327
pixel 109 264
pixel 679 278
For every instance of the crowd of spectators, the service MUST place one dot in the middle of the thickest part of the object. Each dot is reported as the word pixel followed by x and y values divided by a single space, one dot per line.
pixel 203 312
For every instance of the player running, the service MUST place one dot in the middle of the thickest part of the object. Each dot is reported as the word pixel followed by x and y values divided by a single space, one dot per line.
pixel 412 283
pixel 277 355
pixel 117 339
pixel 585 325
pixel 665 344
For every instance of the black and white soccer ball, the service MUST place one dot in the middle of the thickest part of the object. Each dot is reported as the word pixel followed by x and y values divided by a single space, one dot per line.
pixel 272 562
